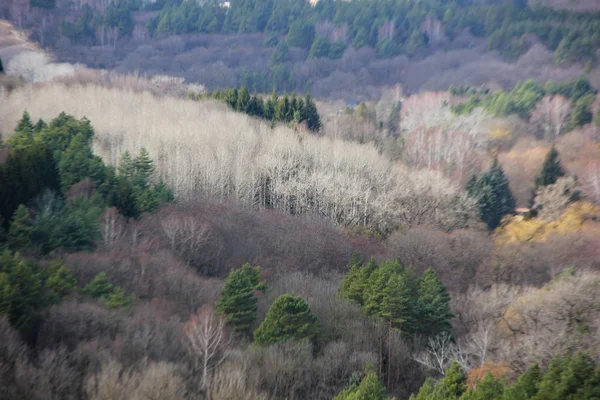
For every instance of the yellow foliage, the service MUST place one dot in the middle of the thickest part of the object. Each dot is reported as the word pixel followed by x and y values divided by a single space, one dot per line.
pixel 500 135
pixel 579 216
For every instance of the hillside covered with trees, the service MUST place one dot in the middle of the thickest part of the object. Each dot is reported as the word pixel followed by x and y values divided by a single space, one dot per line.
pixel 173 239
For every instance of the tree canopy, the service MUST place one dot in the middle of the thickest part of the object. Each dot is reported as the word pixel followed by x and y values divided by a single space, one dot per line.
pixel 288 318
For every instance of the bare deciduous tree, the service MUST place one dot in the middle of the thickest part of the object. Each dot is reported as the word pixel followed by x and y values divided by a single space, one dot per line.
pixel 188 237
pixel 437 138
pixel 155 381
pixel 438 354
pixel 591 180
pixel 550 201
pixel 112 228
pixel 202 150
pixel 208 340
pixel 551 115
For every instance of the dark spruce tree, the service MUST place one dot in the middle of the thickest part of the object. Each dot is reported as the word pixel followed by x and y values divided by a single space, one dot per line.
pixel 313 121
pixel 493 195
pixel 237 301
pixel 551 169
pixel 19 234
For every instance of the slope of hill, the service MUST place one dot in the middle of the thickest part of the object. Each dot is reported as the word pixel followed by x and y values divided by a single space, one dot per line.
pixel 352 50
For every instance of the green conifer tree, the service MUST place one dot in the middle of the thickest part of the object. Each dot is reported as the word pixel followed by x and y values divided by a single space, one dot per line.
pixel 551 169
pixel 19 233
pixel 577 375
pixel 1 67
pixel 472 185
pixel 243 100
pixel 370 388
pixel 123 197
pixel 313 120
pixel 320 48
pixel 350 280
pixel 99 287
pixel 118 299
pixel 489 388
pixel 375 289
pixel 281 54
pixel 454 383
pixel 493 195
pixel 78 162
pixel 427 391
pixel 60 279
pixel 144 169
pixel 24 133
pixel 21 291
pixel 7 294
pixel 526 387
pixel 356 285
pixel 435 300
pixel 126 166
pixel 237 301
pixel 288 318
pixel 395 305
pixel 40 126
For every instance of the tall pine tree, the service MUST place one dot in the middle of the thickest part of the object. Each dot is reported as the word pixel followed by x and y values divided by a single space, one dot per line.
pixel 376 284
pixel 144 169
pixel 24 133
pixel 356 281
pixel 237 301
pixel 126 167
pixel 454 383
pixel 396 304
pixel 435 301
pixel 19 233
pixel 313 120
pixel 526 387
pixel 551 169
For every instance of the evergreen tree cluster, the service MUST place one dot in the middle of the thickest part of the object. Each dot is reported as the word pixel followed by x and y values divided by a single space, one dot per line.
pixel 526 95
pixel 492 193
pixel 101 288
pixel 288 318
pixel 574 377
pixel 26 287
pixel 397 296
pixel 572 36
pixel 40 207
pixel 288 109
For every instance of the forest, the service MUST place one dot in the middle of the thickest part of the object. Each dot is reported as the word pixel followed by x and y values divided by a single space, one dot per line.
pixel 166 238
pixel 334 49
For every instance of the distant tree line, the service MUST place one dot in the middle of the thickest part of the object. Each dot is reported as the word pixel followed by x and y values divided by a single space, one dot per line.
pixel 391 26
pixel 288 108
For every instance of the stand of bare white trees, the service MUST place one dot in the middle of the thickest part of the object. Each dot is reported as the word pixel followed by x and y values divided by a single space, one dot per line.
pixel 203 150
pixel 437 138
